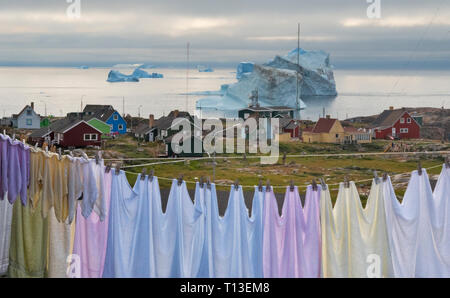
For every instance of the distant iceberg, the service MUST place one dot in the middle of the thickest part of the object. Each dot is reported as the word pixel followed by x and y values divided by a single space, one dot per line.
pixel 276 82
pixel 202 68
pixel 142 74
pixel 83 67
pixel 115 76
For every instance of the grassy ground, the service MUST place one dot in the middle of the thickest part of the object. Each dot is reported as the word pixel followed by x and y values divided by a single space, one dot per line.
pixel 300 169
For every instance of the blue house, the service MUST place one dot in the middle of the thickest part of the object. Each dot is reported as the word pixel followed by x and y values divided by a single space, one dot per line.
pixel 109 115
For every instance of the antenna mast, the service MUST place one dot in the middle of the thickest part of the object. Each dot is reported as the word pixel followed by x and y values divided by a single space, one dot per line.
pixel 187 75
pixel 298 64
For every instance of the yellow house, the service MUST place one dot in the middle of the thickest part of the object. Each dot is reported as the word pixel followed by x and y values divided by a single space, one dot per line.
pixel 329 130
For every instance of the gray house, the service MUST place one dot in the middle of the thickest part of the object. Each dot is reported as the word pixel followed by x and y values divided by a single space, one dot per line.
pixel 27 118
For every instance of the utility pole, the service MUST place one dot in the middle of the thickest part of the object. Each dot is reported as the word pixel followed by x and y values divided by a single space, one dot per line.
pixel 123 106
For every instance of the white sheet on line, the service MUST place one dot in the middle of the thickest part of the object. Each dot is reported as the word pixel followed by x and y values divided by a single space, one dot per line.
pixel 354 239
pixel 418 228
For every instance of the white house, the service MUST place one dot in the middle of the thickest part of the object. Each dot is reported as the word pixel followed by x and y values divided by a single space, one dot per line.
pixel 27 118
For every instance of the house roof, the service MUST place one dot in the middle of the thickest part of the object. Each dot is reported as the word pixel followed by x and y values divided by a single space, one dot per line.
pixel 388 118
pixel 14 116
pixel 164 122
pixel 324 125
pixel 59 126
pixel 40 133
pixel 101 112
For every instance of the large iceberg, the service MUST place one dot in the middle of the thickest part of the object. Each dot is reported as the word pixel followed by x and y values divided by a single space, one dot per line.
pixel 276 82
pixel 244 68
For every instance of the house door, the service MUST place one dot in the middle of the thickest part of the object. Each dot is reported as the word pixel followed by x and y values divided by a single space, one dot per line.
pixel 393 131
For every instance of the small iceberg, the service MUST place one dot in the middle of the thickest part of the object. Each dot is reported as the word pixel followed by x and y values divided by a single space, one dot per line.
pixel 202 68
pixel 83 67
pixel 115 76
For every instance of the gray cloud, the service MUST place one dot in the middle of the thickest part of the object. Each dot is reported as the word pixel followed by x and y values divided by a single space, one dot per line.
pixel 223 32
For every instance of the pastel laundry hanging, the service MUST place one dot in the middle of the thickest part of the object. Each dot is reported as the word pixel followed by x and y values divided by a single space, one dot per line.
pixel 29 239
pixel 441 217
pixel 93 175
pixel 291 246
pixel 91 238
pixel 76 185
pixel 14 169
pixel 5 234
pixel 418 233
pixel 178 233
pixel 354 239
pixel 233 241
pixel 123 218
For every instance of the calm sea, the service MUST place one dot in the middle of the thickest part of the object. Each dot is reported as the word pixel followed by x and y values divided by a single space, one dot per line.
pixel 361 92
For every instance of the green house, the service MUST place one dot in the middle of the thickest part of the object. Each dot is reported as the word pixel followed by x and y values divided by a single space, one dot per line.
pixel 102 126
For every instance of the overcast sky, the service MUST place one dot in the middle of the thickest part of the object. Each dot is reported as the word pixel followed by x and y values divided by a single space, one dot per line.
pixel 410 33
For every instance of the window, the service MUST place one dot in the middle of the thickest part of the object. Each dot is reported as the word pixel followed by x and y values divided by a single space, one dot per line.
pixel 337 135
pixel 90 137
pixel 29 122
pixel 408 120
pixel 116 117
pixel 29 112
pixel 120 126
pixel 402 120
pixel 403 130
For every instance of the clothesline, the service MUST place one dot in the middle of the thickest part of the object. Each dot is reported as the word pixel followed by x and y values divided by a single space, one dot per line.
pixel 279 186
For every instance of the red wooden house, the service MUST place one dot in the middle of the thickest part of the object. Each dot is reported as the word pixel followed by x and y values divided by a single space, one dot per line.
pixel 396 124
pixel 68 132
pixel 291 126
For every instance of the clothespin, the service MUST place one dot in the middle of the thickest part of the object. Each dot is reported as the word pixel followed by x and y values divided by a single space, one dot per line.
pixel 201 183
pixel 346 182
pixel 36 145
pixel 385 176
pixel 376 178
pixel 143 174
pixel 108 168
pixel 59 152
pixel 97 158
pixel 260 186
pixel 292 185
pixel 447 163
pixel 419 168
pixel 71 153
pixel 117 169
pixel 14 136
pixel 236 185
pixel 150 176
pixel 180 180
pixel 208 183
pixel 314 185
pixel 4 132
pixel 268 186
pixel 323 184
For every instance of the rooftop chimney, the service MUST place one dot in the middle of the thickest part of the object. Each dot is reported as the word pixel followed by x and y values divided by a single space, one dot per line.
pixel 391 108
pixel 32 105
pixel 328 116
pixel 175 113
pixel 151 120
